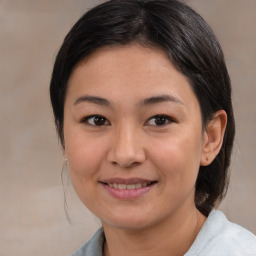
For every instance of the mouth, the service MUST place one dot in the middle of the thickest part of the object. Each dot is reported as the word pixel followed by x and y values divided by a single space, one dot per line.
pixel 121 186
pixel 127 188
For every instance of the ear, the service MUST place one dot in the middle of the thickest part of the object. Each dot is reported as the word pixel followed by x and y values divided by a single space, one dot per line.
pixel 213 137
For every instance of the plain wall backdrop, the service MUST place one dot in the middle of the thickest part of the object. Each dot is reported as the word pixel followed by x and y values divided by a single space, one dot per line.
pixel 33 220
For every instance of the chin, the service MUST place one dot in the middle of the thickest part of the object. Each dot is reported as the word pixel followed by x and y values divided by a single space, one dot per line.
pixel 126 222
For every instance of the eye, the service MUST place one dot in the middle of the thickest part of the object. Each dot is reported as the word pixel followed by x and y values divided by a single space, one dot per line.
pixel 95 120
pixel 159 120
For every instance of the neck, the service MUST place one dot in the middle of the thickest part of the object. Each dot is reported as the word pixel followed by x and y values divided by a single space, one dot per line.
pixel 173 236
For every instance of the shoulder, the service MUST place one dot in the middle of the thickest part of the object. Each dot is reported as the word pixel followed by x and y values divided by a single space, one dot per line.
pixel 94 246
pixel 232 237
pixel 220 237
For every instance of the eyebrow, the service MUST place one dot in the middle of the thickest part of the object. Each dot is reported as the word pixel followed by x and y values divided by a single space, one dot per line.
pixel 148 101
pixel 160 99
pixel 93 99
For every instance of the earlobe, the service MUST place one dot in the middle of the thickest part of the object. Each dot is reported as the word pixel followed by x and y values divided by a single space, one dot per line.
pixel 213 137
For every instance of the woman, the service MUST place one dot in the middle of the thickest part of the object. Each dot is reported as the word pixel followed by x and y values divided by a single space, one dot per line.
pixel 142 103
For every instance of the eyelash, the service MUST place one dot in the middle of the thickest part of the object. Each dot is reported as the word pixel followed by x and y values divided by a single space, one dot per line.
pixel 103 121
pixel 167 120
pixel 94 118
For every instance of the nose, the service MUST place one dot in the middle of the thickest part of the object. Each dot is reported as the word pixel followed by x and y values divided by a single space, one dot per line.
pixel 126 149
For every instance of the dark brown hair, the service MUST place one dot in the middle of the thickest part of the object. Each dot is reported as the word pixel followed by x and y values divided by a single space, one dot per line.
pixel 191 46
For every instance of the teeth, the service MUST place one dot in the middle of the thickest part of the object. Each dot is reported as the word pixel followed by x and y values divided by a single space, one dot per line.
pixel 138 185
pixel 128 187
pixel 132 186
pixel 121 186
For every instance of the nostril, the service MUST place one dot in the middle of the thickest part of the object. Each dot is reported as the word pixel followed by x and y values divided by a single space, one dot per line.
pixel 126 165
pixel 125 154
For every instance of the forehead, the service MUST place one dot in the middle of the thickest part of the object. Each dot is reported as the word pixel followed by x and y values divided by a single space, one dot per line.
pixel 131 71
pixel 123 59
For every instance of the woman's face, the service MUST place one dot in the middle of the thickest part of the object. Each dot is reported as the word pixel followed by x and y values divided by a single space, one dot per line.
pixel 133 137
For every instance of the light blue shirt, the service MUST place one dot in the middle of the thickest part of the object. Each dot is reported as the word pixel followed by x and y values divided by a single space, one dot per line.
pixel 218 237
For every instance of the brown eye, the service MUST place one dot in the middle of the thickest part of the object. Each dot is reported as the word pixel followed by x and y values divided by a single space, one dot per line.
pixel 96 120
pixel 159 120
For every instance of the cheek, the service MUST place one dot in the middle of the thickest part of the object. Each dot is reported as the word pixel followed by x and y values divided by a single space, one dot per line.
pixel 85 156
pixel 85 160
pixel 178 158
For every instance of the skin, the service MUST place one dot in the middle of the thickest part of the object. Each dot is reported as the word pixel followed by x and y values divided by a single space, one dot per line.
pixel 130 143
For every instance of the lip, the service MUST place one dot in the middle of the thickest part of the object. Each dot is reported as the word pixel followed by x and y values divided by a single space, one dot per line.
pixel 126 194
pixel 126 181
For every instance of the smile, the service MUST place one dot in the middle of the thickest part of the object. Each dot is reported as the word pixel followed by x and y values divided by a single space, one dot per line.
pixel 127 189
pixel 129 186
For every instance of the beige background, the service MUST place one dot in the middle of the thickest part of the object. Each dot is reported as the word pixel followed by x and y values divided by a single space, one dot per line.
pixel 32 220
